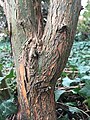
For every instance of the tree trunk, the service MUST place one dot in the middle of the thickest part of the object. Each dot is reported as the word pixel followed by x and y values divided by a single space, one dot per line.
pixel 40 54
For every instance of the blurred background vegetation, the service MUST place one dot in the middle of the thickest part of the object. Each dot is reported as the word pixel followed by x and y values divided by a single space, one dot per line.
pixel 72 92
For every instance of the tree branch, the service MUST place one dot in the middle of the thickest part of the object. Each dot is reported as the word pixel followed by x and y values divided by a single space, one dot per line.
pixel 60 15
pixel 59 35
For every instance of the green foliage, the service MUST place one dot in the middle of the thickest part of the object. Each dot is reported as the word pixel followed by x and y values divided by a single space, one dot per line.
pixel 87 101
pixel 66 82
pixel 1 79
pixel 83 29
pixel 74 110
pixel 11 74
pixel 80 56
pixel 58 93
pixel 79 60
pixel 86 89
pixel 87 12
pixel 7 108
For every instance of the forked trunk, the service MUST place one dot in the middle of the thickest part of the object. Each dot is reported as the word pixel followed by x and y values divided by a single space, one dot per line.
pixel 40 55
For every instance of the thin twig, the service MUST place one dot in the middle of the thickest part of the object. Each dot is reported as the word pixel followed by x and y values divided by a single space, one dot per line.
pixel 84 113
pixel 4 88
pixel 70 71
pixel 71 87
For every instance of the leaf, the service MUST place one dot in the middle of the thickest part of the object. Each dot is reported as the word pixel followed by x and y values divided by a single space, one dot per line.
pixel 11 74
pixel 88 102
pixel 83 69
pixel 74 110
pixel 86 89
pixel 86 77
pixel 77 79
pixel 7 108
pixel 67 81
pixel 76 90
pixel 58 93
pixel 1 79
pixel 73 68
pixel 64 74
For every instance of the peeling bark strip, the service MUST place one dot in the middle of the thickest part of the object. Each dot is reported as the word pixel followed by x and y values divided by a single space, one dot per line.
pixel 24 100
pixel 40 56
